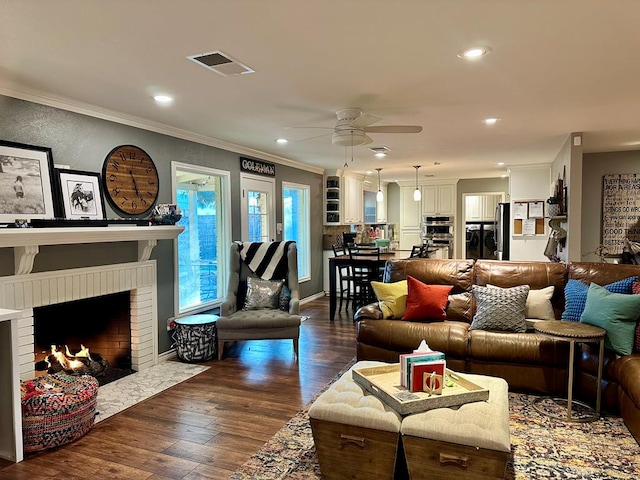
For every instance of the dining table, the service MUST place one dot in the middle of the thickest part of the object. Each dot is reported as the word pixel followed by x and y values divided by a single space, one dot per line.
pixel 343 260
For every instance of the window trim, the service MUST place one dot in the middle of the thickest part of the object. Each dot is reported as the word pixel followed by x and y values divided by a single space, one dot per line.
pixel 306 188
pixel 225 235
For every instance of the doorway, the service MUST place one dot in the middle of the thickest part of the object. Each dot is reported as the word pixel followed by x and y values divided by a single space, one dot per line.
pixel 258 208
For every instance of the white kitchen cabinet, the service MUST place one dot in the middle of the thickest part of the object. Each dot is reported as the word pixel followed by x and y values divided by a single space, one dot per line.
pixel 408 238
pixel 439 199
pixel 410 210
pixel 481 208
pixel 353 206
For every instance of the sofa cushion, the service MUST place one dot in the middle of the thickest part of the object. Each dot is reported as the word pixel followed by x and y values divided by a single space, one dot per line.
pixel 616 313
pixel 575 294
pixel 392 298
pixel 426 302
pixel 500 308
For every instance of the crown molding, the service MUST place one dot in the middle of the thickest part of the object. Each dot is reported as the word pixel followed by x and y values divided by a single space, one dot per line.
pixel 132 121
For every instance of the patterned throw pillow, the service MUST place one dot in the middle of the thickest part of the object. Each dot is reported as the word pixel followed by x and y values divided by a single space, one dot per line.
pixel 500 308
pixel 539 304
pixel 285 298
pixel 575 296
pixel 635 289
pixel 262 293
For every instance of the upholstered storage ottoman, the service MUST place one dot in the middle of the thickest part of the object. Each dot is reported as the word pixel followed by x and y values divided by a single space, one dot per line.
pixel 57 409
pixel 356 435
pixel 470 442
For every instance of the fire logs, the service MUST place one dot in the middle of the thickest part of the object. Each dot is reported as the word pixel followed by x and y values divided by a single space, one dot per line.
pixel 81 363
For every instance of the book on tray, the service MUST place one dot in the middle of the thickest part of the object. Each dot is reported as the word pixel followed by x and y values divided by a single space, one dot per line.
pixel 427 362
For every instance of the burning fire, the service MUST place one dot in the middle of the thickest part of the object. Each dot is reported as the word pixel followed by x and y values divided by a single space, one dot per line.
pixel 68 360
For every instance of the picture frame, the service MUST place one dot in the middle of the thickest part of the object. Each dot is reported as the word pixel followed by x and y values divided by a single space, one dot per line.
pixel 26 182
pixel 79 195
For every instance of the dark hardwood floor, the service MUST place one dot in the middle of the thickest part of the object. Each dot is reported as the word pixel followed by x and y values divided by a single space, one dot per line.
pixel 208 426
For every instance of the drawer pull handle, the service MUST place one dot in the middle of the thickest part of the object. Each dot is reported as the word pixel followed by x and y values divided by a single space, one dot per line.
pixel 359 441
pixel 453 460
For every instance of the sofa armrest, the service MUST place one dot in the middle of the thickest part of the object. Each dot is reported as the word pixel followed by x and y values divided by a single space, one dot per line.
pixel 368 311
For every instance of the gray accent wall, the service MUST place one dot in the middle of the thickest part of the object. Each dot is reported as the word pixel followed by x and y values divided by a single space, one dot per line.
pixel 82 142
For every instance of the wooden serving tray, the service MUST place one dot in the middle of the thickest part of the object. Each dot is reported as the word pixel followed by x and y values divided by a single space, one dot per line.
pixel 384 383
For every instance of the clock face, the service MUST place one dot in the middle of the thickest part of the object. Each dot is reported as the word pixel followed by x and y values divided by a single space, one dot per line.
pixel 130 180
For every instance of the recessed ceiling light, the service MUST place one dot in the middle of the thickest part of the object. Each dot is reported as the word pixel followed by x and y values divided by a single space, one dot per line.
pixel 282 141
pixel 474 52
pixel 369 172
pixel 491 120
pixel 380 154
pixel 501 164
pixel 164 99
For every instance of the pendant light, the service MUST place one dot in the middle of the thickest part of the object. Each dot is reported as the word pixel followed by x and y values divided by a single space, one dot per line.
pixel 417 196
pixel 379 195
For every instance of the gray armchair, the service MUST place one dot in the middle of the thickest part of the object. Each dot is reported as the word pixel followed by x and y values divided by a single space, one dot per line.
pixel 238 324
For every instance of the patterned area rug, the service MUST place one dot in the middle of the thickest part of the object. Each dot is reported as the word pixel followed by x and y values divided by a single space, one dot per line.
pixel 126 392
pixel 542 448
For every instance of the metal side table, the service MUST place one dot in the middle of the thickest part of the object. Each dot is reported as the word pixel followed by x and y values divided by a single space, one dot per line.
pixel 575 332
pixel 195 337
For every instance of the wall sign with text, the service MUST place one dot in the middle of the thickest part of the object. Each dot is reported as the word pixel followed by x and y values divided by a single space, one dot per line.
pixel 620 210
pixel 257 166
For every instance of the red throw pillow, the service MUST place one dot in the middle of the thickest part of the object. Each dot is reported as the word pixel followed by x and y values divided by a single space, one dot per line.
pixel 426 302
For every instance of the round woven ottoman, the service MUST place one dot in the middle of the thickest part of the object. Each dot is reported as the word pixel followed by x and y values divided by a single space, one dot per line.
pixel 57 409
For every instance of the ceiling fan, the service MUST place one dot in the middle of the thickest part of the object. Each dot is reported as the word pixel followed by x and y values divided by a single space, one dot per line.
pixel 353 126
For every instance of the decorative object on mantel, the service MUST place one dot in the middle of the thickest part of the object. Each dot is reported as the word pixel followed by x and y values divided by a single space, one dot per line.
pixel 131 180
pixel 25 182
pixel 165 214
pixel 79 195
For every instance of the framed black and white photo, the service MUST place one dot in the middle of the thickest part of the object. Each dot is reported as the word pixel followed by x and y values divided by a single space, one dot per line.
pixel 80 195
pixel 26 187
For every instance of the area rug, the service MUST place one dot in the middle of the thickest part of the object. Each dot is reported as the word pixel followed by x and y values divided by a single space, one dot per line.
pixel 542 448
pixel 126 392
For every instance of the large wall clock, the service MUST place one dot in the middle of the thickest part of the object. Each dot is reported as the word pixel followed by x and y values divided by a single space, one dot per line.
pixel 130 180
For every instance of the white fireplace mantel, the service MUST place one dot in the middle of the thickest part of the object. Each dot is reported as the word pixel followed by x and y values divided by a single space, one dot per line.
pixel 26 241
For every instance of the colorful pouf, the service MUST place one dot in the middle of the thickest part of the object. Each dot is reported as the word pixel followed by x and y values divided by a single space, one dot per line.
pixel 57 409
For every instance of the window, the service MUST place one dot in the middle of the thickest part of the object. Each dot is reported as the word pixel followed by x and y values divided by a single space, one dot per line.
pixel 258 207
pixel 296 219
pixel 202 248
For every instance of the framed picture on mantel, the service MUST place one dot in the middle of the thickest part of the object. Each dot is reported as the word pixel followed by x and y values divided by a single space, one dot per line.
pixel 80 195
pixel 26 187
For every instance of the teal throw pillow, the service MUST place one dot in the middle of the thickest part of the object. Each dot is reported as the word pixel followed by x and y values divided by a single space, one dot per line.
pixel 616 313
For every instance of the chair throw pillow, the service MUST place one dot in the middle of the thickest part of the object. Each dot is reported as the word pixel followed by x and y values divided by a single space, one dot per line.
pixel 426 302
pixel 392 298
pixel 500 308
pixel 615 312
pixel 262 294
pixel 575 296
pixel 284 299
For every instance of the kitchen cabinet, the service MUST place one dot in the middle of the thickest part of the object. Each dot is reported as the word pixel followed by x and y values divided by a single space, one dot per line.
pixel 409 237
pixel 353 206
pixel 481 208
pixel 439 199
pixel 410 210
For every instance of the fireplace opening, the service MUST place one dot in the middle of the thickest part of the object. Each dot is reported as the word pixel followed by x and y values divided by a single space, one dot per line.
pixel 101 324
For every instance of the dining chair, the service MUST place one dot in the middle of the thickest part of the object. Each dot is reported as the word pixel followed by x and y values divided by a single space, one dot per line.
pixel 416 250
pixel 365 268
pixel 345 279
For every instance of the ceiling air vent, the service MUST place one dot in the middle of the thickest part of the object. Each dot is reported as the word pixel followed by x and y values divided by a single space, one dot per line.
pixel 384 150
pixel 221 63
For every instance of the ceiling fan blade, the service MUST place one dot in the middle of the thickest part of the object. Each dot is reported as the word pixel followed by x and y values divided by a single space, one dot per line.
pixel 311 138
pixel 394 129
pixel 367 140
pixel 323 128
pixel 364 120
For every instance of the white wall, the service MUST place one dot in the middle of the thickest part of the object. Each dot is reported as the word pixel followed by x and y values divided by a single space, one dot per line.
pixel 527 184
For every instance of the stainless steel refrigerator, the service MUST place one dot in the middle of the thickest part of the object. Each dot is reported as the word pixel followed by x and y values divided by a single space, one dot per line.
pixel 480 240
pixel 502 230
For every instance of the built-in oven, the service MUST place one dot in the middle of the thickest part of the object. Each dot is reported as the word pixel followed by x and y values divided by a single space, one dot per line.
pixel 437 232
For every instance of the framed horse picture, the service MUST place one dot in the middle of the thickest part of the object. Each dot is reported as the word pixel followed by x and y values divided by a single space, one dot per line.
pixel 79 195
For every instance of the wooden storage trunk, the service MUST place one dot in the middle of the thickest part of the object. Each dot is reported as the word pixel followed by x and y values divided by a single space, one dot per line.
pixel 435 460
pixel 350 452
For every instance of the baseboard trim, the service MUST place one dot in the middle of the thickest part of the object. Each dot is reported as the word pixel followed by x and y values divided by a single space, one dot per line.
pixel 168 355
pixel 311 298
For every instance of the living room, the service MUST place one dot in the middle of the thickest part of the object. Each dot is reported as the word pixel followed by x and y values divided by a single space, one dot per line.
pixel 81 128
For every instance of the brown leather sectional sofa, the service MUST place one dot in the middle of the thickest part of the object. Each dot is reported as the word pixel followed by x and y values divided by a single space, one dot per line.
pixel 530 362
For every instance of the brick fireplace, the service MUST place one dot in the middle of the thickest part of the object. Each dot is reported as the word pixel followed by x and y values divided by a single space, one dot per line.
pixel 25 290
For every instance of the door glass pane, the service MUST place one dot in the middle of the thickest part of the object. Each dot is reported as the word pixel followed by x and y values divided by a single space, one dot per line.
pixel 296 223
pixel 199 245
pixel 258 216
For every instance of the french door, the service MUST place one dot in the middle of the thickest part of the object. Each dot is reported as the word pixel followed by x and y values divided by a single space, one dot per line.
pixel 258 208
